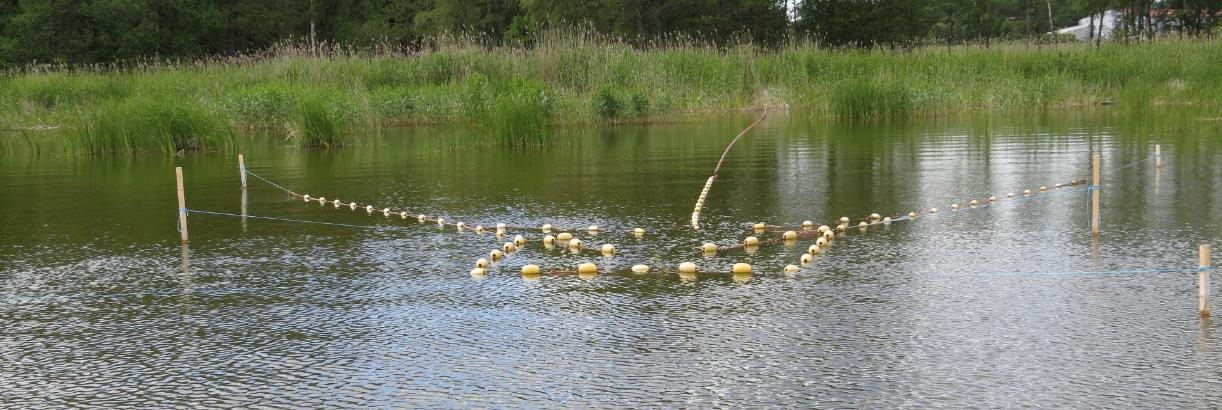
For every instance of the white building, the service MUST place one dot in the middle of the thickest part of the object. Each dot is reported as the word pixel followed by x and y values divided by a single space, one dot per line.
pixel 1104 24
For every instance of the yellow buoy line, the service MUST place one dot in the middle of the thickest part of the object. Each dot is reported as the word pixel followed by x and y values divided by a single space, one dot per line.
pixel 708 184
pixel 576 246
pixel 686 270
pixel 704 193
pixel 824 232
pixel 984 200
pixel 499 228
pixel 564 237
pixel 824 235
pixel 483 265
pixel 423 218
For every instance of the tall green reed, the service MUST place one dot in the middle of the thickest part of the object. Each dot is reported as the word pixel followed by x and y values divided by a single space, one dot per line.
pixel 514 95
pixel 150 124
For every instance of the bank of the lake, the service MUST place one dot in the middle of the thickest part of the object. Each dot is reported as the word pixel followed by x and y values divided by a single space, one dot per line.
pixel 513 95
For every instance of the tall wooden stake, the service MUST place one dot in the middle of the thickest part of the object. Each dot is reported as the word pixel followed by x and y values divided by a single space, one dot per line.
pixel 182 205
pixel 1158 155
pixel 242 169
pixel 1094 196
pixel 1203 281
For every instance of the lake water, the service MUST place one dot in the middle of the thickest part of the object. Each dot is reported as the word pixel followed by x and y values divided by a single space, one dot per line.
pixel 981 307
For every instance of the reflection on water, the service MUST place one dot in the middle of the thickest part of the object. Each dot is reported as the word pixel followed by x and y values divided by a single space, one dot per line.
pixel 962 308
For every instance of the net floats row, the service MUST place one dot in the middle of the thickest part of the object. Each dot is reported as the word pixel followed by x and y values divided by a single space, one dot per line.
pixel 876 217
pixel 500 228
pixel 704 193
pixel 685 270
pixel 823 234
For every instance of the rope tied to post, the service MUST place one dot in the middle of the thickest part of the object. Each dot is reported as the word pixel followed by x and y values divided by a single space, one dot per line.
pixel 268 181
pixel 270 218
pixel 1134 163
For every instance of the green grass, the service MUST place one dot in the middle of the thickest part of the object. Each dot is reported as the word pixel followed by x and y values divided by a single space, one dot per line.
pixel 318 124
pixel 153 124
pixel 514 96
pixel 866 99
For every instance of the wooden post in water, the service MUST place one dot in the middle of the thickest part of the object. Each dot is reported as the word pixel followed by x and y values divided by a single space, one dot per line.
pixel 1094 195
pixel 182 205
pixel 1158 155
pixel 242 172
pixel 242 169
pixel 1203 281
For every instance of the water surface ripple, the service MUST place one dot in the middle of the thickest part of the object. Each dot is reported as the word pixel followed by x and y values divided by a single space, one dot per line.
pixel 983 307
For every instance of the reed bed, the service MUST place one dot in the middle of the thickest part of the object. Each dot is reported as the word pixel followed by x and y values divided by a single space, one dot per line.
pixel 318 96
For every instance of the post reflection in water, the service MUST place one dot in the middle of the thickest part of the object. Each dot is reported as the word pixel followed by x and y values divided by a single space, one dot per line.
pixel 243 209
pixel 184 278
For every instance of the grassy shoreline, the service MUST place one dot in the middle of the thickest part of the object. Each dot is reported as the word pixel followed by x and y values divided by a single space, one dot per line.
pixel 515 95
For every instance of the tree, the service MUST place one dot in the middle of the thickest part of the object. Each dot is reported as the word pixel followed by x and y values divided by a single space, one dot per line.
pixel 485 17
pixel 865 23
pixel 762 21
pixel 363 22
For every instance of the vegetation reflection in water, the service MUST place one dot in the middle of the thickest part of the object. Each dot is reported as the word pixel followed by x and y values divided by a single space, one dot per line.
pixel 897 214
pixel 93 277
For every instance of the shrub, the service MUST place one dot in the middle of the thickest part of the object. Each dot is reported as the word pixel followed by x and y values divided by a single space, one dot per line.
pixel 606 105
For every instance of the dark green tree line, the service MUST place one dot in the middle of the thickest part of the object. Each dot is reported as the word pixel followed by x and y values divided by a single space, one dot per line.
pixel 99 31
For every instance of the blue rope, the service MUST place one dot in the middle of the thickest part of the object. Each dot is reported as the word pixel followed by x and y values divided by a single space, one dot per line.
pixel 1131 164
pixel 268 181
pixel 1107 272
pixel 270 218
pixel 1088 199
